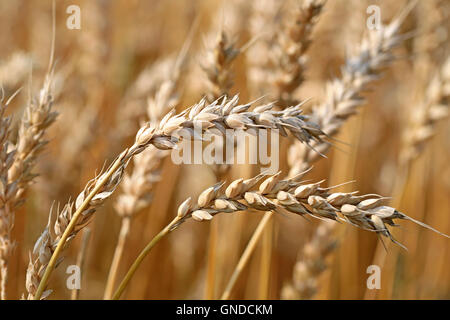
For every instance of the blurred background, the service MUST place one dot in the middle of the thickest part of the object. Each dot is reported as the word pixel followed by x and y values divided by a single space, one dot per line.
pixel 106 71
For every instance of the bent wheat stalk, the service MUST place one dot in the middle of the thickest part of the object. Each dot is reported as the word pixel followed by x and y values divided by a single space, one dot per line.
pixel 165 136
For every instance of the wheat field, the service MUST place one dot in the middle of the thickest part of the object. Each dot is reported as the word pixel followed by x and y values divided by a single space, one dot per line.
pixel 99 96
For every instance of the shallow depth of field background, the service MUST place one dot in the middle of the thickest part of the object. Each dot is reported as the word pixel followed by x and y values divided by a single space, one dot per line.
pixel 98 64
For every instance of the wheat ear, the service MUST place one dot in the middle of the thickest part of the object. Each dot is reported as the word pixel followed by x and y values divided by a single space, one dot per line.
pixel 138 186
pixel 18 169
pixel 281 196
pixel 6 218
pixel 290 53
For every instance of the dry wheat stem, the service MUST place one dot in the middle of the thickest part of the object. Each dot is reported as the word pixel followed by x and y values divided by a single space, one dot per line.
pixel 137 186
pixel 165 136
pixel 81 259
pixel 246 255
